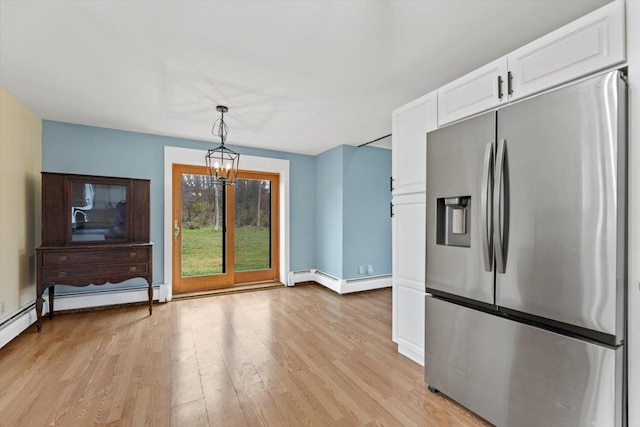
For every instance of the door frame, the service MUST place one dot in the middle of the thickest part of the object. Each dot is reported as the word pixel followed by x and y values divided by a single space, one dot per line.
pixel 190 156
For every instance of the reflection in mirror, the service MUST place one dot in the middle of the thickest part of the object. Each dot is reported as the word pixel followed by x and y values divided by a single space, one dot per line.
pixel 98 212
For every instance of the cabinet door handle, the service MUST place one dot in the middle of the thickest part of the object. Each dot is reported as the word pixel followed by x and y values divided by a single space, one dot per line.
pixel 176 230
pixel 62 274
pixel 499 87
pixel 509 83
pixel 391 209
pixel 391 183
pixel 132 255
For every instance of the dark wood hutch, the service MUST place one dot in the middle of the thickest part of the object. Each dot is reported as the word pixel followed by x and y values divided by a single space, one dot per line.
pixel 95 230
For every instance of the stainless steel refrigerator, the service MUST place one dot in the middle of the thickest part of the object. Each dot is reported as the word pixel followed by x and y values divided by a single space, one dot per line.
pixel 526 259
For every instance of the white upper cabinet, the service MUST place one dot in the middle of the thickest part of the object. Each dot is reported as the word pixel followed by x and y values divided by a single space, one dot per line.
pixel 480 90
pixel 589 44
pixel 594 42
pixel 410 124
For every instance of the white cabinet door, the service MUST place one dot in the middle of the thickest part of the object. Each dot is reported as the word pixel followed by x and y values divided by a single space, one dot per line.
pixel 408 274
pixel 478 91
pixel 410 124
pixel 591 43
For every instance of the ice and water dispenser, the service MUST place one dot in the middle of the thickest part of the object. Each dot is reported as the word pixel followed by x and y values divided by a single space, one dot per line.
pixel 454 221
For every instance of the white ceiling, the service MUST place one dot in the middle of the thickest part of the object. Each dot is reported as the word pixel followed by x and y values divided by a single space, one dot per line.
pixel 298 76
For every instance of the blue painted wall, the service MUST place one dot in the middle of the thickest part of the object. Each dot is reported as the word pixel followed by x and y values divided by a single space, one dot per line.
pixel 366 220
pixel 353 226
pixel 90 150
pixel 339 200
pixel 329 200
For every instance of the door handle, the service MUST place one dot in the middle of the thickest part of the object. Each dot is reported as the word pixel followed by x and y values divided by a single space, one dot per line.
pixel 176 230
pixel 497 201
pixel 486 218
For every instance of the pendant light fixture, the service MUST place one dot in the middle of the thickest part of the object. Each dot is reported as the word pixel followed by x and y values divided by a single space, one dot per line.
pixel 222 163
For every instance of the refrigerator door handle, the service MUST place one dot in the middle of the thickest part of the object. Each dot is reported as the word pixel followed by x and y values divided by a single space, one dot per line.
pixel 497 201
pixel 486 219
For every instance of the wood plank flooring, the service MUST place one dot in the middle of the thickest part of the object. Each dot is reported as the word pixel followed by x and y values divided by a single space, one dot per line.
pixel 287 356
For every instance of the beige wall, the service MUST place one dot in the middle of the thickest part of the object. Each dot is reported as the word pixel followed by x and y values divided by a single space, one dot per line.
pixel 20 183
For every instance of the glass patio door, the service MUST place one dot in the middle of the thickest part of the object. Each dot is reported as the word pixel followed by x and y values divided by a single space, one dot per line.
pixel 223 235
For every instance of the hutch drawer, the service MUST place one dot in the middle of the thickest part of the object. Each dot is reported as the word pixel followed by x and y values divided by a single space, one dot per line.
pixel 71 257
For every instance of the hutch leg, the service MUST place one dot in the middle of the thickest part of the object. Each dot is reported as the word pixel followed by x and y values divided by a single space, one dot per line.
pixel 39 302
pixel 150 290
pixel 51 293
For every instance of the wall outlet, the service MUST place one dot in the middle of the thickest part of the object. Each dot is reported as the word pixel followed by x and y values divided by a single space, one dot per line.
pixel 361 269
pixel 370 269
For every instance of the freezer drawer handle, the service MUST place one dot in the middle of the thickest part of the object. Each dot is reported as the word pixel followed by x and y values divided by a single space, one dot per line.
pixel 497 201
pixel 485 207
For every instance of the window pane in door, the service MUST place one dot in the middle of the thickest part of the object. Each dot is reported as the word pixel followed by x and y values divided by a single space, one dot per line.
pixel 252 225
pixel 202 228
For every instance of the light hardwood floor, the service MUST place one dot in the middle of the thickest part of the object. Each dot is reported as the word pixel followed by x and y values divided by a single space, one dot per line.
pixel 287 356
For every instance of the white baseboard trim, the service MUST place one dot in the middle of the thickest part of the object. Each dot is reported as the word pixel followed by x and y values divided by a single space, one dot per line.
pixel 299 276
pixel 328 281
pixel 341 286
pixel 413 353
pixel 79 300
pixel 366 284
pixel 17 323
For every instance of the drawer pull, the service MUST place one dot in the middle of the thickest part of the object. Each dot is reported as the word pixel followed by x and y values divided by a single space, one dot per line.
pixel 62 274
pixel 133 269
pixel 63 258
pixel 133 255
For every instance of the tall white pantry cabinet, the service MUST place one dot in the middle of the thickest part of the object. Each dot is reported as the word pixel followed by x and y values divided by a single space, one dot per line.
pixel 410 124
pixel 594 43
